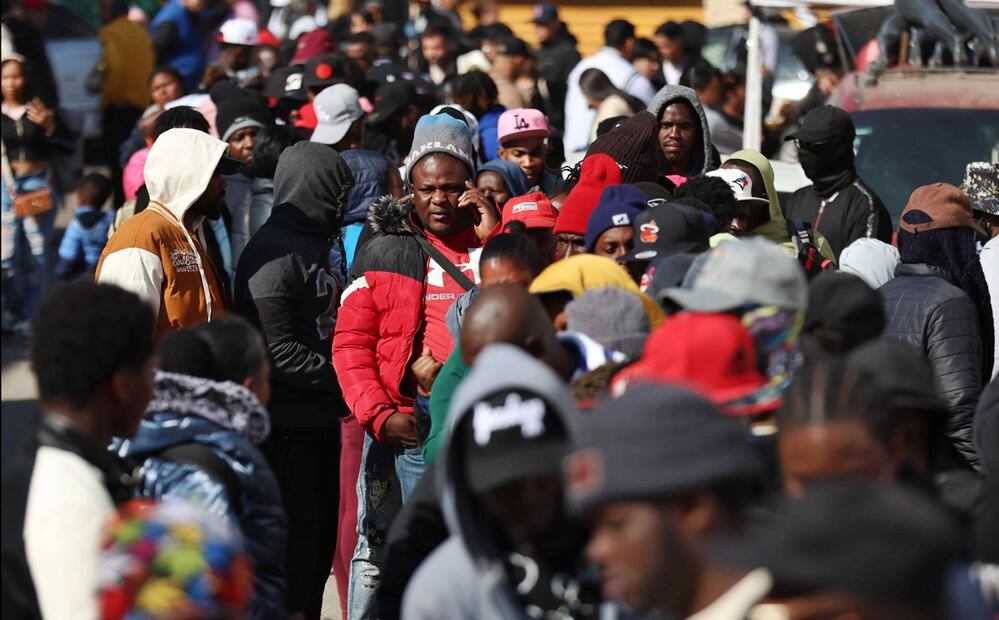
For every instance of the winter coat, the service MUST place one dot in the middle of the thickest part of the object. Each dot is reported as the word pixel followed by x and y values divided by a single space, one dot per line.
pixel 187 55
pixel 705 159
pixel 285 287
pixel 371 172
pixel 854 212
pixel 153 255
pixel 381 313
pixel 556 59
pixel 83 241
pixel 926 309
pixel 227 418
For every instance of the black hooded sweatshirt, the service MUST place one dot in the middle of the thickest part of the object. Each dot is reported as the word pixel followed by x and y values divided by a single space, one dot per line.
pixel 838 204
pixel 284 284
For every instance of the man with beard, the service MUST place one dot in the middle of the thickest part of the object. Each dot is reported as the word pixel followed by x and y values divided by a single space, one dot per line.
pixel 837 204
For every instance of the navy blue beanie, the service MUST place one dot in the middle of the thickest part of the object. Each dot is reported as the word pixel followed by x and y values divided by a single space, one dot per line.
pixel 618 206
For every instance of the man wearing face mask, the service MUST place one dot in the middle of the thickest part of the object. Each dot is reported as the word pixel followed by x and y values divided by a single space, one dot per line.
pixel 838 204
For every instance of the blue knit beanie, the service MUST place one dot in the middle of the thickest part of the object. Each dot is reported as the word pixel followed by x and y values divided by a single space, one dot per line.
pixel 440 133
pixel 618 206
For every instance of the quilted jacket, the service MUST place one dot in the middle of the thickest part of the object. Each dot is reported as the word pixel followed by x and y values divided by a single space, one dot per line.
pixel 926 309
pixel 227 418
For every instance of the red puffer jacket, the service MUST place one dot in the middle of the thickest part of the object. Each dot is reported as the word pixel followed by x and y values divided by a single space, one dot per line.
pixel 380 316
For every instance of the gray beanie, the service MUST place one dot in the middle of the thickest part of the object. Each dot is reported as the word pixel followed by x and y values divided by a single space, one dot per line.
pixel 440 133
pixel 613 317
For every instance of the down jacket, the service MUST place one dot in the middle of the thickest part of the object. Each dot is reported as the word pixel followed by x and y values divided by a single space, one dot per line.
pixel 926 309
pixel 381 313
pixel 227 418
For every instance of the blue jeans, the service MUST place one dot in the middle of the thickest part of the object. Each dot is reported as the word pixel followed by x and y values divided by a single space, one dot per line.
pixel 387 479
pixel 26 245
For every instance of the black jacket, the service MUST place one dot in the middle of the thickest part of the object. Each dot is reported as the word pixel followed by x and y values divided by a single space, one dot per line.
pixel 855 212
pixel 924 308
pixel 285 287
pixel 556 58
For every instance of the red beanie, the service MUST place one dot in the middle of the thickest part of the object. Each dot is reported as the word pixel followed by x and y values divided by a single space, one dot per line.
pixel 597 172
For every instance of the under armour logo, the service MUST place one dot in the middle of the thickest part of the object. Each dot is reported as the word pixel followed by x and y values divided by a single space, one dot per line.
pixel 519 123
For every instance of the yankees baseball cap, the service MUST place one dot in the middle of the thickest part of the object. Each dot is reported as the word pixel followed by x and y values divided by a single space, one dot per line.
pixel 511 419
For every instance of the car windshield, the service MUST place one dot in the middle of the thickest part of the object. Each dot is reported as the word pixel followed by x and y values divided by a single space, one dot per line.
pixel 899 150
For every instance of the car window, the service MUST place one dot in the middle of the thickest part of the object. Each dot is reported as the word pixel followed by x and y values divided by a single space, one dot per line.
pixel 64 24
pixel 899 150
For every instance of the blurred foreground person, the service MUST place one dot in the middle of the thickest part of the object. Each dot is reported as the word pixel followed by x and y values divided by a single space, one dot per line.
pixel 198 440
pixel 94 367
pixel 511 549
pixel 661 475
pixel 853 549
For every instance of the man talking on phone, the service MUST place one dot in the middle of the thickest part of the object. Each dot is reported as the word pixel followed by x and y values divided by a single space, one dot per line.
pixel 391 337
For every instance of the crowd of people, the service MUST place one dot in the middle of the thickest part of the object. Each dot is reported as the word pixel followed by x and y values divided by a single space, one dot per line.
pixel 482 330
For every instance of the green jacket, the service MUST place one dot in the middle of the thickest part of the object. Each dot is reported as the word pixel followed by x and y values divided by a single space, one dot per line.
pixel 451 374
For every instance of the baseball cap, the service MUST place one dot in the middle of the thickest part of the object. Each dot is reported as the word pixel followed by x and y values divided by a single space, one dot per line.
pixel 887 544
pixel 513 46
pixel 238 31
pixel 653 441
pixel 741 184
pixel 511 419
pixel 324 70
pixel 391 98
pixel 823 123
pixel 670 228
pixel 747 271
pixel 710 353
pixel 337 107
pixel 981 185
pixel 534 210
pixel 286 83
pixel 655 194
pixel 311 44
pixel 545 13
pixel 522 123
pixel 945 205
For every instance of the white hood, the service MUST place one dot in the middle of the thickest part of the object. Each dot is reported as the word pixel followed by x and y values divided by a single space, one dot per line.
pixel 180 165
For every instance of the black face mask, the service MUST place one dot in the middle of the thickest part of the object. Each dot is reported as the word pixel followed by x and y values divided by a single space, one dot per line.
pixel 828 165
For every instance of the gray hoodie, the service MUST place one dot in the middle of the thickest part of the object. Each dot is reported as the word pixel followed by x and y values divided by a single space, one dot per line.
pixel 465 578
pixel 706 158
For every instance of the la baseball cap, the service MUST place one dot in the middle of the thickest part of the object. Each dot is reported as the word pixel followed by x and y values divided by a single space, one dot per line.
pixel 745 271
pixel 238 31
pixel 337 107
pixel 521 123
pixel 535 210
pixel 740 183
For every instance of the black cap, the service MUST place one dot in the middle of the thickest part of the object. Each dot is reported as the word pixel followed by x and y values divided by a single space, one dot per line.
pixel 883 544
pixel 667 229
pixel 391 98
pixel 286 83
pixel 239 112
pixel 823 123
pixel 512 46
pixel 511 435
pixel 655 194
pixel 667 272
pixel 844 301
pixel 545 13
pixel 324 70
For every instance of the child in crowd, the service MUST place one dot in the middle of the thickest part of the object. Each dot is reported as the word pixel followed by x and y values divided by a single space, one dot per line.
pixel 87 233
